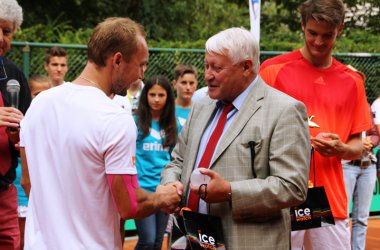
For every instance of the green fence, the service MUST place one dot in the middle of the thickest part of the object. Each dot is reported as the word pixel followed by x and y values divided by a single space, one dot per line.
pixel 30 57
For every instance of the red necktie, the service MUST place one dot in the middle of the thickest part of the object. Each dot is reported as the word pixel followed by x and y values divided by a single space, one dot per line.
pixel 209 151
pixel 5 159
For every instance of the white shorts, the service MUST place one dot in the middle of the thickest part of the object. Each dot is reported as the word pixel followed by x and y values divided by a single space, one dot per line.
pixel 21 210
pixel 335 237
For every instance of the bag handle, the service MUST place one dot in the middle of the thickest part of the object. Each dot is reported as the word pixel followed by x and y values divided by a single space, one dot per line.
pixel 312 164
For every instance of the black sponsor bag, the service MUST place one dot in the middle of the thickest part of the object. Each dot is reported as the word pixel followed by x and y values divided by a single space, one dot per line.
pixel 196 231
pixel 314 212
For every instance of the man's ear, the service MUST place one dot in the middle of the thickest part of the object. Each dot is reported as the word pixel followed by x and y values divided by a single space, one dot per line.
pixel 303 26
pixel 340 29
pixel 117 58
pixel 245 66
pixel 248 65
pixel 174 82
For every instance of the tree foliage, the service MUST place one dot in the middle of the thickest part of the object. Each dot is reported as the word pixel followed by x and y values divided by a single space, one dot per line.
pixel 188 23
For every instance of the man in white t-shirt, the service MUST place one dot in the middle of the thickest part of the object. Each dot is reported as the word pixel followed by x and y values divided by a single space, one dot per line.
pixel 199 94
pixel 78 150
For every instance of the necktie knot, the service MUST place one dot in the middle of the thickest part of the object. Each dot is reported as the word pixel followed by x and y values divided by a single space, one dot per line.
pixel 227 108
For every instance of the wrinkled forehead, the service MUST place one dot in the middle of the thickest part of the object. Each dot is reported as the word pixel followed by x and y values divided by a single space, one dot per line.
pixel 6 24
pixel 212 57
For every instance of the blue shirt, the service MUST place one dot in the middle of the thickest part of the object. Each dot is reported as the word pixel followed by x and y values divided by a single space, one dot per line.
pixel 151 156
pixel 22 199
pixel 182 114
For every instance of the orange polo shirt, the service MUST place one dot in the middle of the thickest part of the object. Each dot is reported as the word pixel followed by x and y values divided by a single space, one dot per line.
pixel 336 97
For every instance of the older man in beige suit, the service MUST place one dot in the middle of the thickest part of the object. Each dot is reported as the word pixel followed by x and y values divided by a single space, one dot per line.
pixel 260 165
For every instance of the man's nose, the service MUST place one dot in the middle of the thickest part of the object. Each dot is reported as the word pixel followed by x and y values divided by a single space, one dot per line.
pixel 208 74
pixel 319 40
pixel 142 72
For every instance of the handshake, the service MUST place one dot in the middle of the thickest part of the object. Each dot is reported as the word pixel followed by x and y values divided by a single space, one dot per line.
pixel 169 196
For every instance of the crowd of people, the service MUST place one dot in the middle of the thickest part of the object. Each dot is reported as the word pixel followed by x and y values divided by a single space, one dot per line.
pixel 84 156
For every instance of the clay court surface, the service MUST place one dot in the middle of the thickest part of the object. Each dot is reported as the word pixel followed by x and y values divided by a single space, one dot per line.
pixel 373 237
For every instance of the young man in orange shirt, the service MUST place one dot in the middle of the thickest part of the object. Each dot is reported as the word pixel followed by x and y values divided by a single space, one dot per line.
pixel 335 96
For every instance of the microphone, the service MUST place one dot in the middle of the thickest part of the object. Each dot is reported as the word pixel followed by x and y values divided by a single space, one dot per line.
pixel 13 88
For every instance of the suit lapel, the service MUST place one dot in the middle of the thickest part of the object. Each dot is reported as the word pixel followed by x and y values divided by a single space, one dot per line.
pixel 204 114
pixel 251 104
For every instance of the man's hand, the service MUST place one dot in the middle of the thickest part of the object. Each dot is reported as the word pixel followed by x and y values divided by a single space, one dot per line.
pixel 10 117
pixel 178 185
pixel 367 144
pixel 14 137
pixel 169 198
pixel 329 145
pixel 217 190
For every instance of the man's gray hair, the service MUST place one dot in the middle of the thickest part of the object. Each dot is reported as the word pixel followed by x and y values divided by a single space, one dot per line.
pixel 11 11
pixel 236 43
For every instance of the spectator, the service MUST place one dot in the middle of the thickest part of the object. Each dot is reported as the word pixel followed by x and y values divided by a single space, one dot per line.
pixel 199 94
pixel 375 107
pixel 360 179
pixel 56 65
pixel 133 94
pixel 335 96
pixel 157 135
pixel 10 117
pixel 37 84
pixel 185 83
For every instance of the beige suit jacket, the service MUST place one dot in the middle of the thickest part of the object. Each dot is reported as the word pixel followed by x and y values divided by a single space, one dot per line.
pixel 258 215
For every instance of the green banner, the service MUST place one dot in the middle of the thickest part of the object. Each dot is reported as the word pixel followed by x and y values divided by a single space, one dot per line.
pixel 375 206
pixel 129 225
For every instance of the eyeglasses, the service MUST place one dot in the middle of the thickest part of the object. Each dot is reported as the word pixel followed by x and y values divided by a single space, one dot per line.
pixel 3 73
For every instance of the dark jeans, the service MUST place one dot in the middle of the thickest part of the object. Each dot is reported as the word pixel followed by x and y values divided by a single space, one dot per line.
pixel 151 231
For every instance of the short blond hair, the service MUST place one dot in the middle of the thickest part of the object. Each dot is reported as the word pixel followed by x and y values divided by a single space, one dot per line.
pixel 114 35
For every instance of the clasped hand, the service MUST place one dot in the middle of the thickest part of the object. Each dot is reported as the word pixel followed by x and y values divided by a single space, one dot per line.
pixel 171 195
